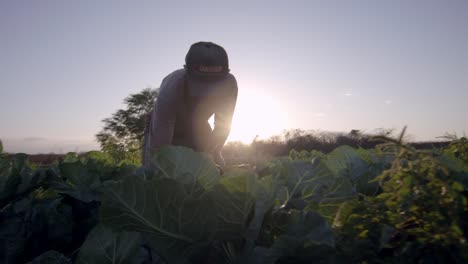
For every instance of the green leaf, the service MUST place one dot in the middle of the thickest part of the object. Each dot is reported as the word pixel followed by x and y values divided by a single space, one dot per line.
pixel 34 224
pixel 183 164
pixel 19 161
pixel 14 234
pixel 345 161
pixel 308 227
pixel 313 185
pixel 55 217
pixel 344 211
pixel 8 185
pixel 457 168
pixel 386 233
pixel 80 183
pixel 33 179
pixel 334 196
pixel 99 156
pixel 305 182
pixel 104 245
pixel 302 230
pixel 71 157
pixel 78 175
pixel 18 179
pixel 234 198
pixel 162 209
pixel 51 257
pixel 265 192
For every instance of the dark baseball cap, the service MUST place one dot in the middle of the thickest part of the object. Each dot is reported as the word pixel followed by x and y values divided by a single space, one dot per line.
pixel 207 66
pixel 206 59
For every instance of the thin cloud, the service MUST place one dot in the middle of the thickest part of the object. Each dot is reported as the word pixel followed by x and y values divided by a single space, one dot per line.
pixel 33 139
pixel 320 115
pixel 348 94
pixel 388 102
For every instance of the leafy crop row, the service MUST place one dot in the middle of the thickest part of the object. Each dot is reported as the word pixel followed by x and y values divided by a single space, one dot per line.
pixel 391 204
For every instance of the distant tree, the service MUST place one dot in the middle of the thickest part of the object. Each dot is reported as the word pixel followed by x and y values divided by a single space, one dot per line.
pixel 355 133
pixel 1 146
pixel 385 132
pixel 122 134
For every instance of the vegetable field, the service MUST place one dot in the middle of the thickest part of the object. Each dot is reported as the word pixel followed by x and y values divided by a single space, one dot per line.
pixel 391 204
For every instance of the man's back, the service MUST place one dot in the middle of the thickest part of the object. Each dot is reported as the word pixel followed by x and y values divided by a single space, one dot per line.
pixel 182 109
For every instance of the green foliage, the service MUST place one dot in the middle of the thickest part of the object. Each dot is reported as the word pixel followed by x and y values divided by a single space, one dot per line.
pixel 300 234
pixel 422 199
pixel 78 182
pixel 305 155
pixel 51 257
pixel 50 208
pixel 105 245
pixel 421 206
pixel 186 166
pixel 458 148
pixel 180 206
pixel 326 181
pixel 122 134
pixel 392 204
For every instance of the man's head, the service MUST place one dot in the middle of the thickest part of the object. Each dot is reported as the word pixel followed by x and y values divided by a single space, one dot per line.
pixel 208 70
pixel 206 59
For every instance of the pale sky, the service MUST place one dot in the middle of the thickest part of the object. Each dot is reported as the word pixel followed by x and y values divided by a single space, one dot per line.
pixel 323 65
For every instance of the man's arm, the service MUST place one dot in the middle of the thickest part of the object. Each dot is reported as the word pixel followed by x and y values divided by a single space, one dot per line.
pixel 161 123
pixel 223 118
pixel 160 127
pixel 163 118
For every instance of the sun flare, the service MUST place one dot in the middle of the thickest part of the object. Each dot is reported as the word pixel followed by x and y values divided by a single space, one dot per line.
pixel 256 114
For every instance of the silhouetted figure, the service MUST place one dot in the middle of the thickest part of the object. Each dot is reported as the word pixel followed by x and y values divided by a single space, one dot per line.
pixel 188 98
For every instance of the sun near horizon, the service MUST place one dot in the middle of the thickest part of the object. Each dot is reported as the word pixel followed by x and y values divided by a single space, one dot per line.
pixel 257 114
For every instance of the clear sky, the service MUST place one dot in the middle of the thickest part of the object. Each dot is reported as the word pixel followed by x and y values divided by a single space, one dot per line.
pixel 325 65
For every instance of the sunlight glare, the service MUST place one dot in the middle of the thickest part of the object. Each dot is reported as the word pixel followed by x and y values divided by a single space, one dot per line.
pixel 256 114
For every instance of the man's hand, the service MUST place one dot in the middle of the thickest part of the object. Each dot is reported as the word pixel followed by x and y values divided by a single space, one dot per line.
pixel 218 158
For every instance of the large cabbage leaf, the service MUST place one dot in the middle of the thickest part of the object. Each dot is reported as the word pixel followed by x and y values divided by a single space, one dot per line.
pixel 234 198
pixel 186 166
pixel 303 233
pixel 344 161
pixel 313 185
pixel 163 210
pixel 160 207
pixel 104 245
pixel 11 175
pixel 78 181
pixel 18 178
pixel 347 162
pixel 51 257
pixel 174 222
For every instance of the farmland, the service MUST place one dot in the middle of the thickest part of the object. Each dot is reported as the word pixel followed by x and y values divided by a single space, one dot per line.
pixel 387 204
